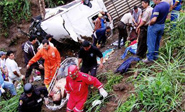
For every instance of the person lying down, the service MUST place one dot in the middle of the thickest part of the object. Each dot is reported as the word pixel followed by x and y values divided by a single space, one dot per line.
pixel 58 91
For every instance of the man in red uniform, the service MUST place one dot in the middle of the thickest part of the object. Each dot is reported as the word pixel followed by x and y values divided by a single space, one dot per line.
pixel 51 58
pixel 77 88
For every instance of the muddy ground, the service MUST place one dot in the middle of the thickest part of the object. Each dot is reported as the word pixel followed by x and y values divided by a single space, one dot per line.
pixel 16 39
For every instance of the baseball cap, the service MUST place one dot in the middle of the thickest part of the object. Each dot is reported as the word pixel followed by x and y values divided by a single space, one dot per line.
pixel 86 43
pixel 2 53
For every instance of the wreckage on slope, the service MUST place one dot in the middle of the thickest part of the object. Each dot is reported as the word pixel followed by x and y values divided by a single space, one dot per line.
pixel 73 20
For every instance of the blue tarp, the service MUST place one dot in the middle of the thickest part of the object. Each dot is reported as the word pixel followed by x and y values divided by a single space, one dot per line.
pixel 106 54
pixel 126 64
pixel 132 49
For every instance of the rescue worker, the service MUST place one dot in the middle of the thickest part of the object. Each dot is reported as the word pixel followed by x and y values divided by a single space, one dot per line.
pixel 87 55
pixel 123 27
pixel 77 88
pixel 31 100
pixel 52 61
pixel 49 38
pixel 29 52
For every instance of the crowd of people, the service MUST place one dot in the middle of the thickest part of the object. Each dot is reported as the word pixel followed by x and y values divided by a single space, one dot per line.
pixel 149 25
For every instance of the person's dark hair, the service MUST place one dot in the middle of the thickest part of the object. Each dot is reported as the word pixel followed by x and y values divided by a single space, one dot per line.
pixel 32 37
pixel 9 52
pixel 131 11
pixel 57 102
pixel 86 43
pixel 146 1
pixel 49 36
pixel 45 41
pixel 108 27
pixel 135 7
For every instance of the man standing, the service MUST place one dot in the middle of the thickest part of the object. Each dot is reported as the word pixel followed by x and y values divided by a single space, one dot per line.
pixel 49 38
pixel 99 31
pixel 29 52
pixel 77 88
pixel 51 58
pixel 124 26
pixel 31 100
pixel 136 15
pixel 143 26
pixel 87 55
pixel 156 29
pixel 107 18
pixel 14 73
pixel 3 67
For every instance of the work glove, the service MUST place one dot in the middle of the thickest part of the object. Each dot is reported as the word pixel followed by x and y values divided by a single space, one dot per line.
pixel 2 90
pixel 67 96
pixel 96 102
pixel 103 92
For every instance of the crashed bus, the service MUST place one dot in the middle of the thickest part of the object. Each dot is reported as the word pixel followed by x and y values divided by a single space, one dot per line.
pixel 73 20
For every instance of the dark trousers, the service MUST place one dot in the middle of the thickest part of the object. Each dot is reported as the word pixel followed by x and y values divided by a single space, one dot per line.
pixel 122 33
pixel 29 71
pixel 142 43
pixel 101 37
pixel 92 70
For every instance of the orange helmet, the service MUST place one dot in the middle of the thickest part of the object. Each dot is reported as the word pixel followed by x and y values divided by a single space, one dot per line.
pixel 72 70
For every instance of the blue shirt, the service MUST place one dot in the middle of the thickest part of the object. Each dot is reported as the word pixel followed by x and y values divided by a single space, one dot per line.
pixel 102 23
pixel 160 11
pixel 1 80
pixel 178 7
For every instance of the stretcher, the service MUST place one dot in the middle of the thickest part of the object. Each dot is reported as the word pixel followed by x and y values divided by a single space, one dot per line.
pixel 61 72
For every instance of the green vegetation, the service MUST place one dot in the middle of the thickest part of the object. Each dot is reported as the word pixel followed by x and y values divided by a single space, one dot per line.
pixel 111 79
pixel 159 87
pixel 12 104
pixel 14 11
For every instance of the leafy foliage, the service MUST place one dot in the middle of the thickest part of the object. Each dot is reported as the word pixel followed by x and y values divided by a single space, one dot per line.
pixel 11 105
pixel 111 79
pixel 14 11
pixel 159 87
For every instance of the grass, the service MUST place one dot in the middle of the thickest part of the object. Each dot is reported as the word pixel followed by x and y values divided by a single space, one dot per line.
pixel 111 79
pixel 159 87
pixel 11 105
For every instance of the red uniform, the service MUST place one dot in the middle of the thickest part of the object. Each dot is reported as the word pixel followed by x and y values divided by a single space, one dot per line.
pixel 78 90
pixel 52 61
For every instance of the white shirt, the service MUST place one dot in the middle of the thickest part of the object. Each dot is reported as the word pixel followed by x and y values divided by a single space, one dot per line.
pixel 137 14
pixel 12 66
pixel 41 45
pixel 2 63
pixel 127 18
